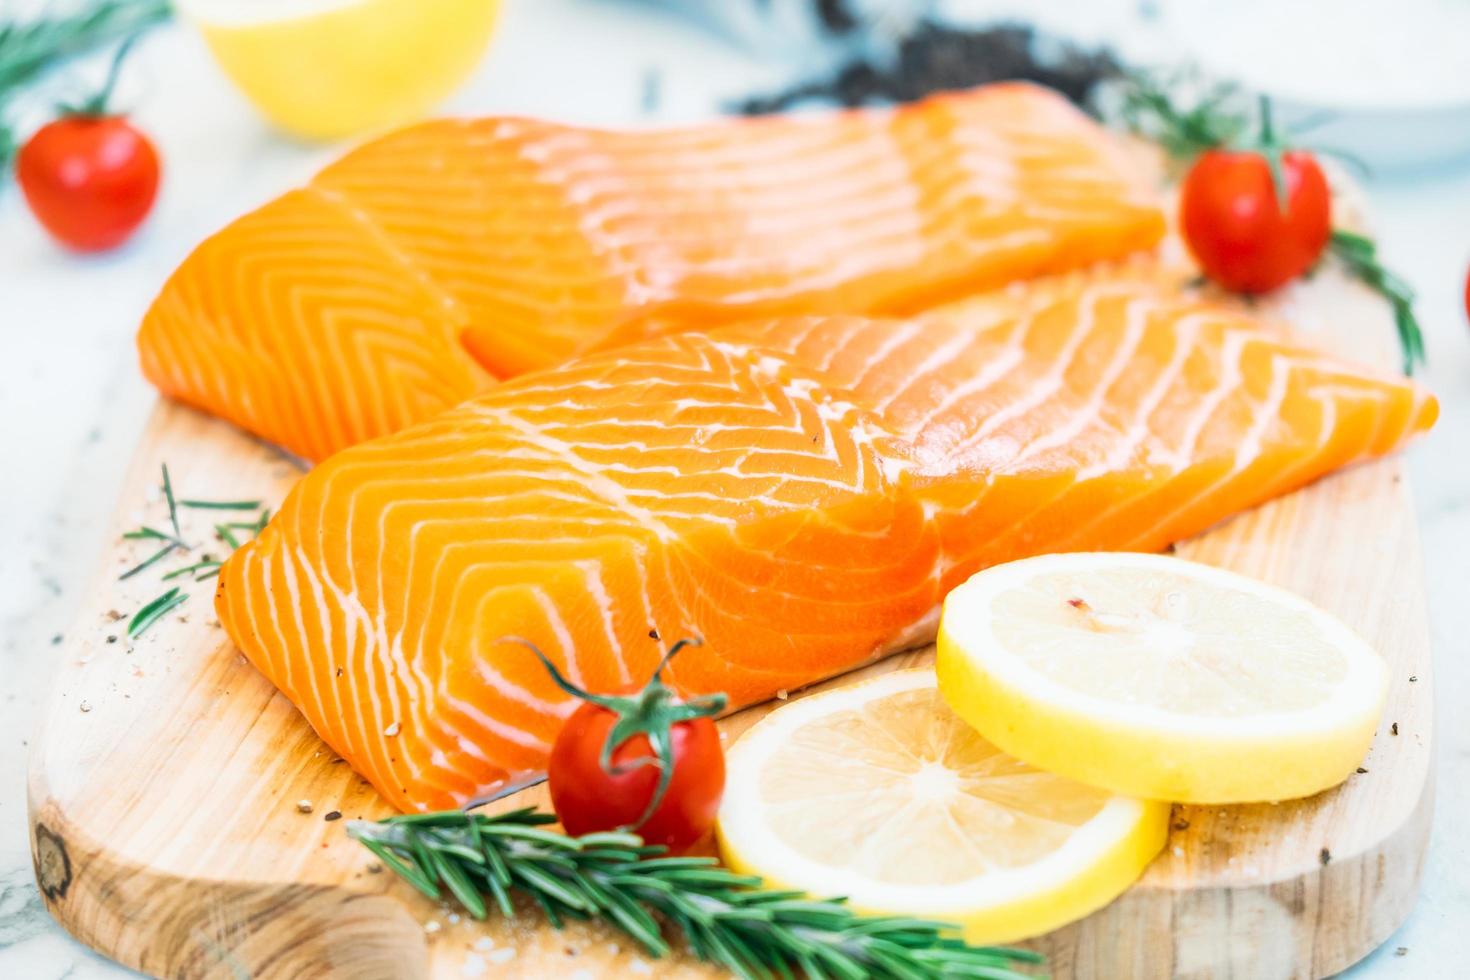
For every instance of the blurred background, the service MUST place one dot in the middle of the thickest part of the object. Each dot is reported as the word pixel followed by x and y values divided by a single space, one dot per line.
pixel 241 99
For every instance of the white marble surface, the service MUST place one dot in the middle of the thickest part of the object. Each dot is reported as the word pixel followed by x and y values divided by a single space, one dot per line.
pixel 72 402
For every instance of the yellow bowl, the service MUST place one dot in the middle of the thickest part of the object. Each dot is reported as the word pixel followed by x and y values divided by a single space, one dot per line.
pixel 324 69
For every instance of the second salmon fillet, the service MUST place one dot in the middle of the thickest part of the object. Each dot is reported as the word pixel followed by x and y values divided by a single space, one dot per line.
pixel 423 266
pixel 800 493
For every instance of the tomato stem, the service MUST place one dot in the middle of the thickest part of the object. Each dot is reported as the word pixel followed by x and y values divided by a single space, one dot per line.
pixel 97 104
pixel 1272 149
pixel 559 680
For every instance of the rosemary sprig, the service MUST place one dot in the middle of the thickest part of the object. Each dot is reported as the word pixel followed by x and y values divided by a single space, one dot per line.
pixel 207 567
pixel 28 50
pixel 1359 255
pixel 154 611
pixel 1148 108
pixel 723 917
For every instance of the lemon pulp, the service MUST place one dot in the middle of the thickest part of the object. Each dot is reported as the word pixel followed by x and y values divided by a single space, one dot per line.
pixel 880 793
pixel 1155 677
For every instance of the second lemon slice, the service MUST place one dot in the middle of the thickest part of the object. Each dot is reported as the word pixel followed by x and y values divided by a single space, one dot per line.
pixel 878 792
pixel 1160 678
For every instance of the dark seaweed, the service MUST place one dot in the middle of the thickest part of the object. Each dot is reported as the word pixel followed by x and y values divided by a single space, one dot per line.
pixel 936 58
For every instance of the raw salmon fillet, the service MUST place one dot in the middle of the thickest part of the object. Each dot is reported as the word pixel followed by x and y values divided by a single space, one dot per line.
pixel 409 275
pixel 800 493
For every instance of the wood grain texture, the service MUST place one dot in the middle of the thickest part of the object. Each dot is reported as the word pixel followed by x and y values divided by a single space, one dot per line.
pixel 165 781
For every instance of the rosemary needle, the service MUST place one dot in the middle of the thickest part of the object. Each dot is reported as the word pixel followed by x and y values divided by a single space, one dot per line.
pixel 173 508
pixel 244 525
pixel 220 504
pixel 226 535
pixel 154 611
pixel 163 552
pixel 206 564
pixel 147 533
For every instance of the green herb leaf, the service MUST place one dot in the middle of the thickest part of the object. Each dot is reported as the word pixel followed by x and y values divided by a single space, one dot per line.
pixel 220 504
pixel 173 507
pixel 155 610
pixel 159 555
pixel 144 533
pixel 208 565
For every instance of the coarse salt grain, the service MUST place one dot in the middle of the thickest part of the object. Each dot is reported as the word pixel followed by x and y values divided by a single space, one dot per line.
pixel 504 955
pixel 393 729
pixel 473 965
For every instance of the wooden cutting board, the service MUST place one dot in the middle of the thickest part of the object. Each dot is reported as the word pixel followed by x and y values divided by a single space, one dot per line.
pixel 165 782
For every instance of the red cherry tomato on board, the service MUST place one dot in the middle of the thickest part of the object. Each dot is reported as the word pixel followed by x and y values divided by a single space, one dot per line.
pixel 646 761
pixel 588 797
pixel 89 179
pixel 1236 227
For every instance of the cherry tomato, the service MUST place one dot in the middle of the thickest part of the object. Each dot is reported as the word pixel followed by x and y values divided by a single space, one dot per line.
pixel 1467 294
pixel 90 180
pixel 1234 224
pixel 647 761
pixel 589 798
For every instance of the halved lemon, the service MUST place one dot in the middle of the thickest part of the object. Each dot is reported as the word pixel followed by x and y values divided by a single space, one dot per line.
pixel 323 69
pixel 1160 678
pixel 878 792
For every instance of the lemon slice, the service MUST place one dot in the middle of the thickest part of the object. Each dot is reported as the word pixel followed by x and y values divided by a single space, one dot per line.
pixel 1160 678
pixel 878 792
pixel 322 69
